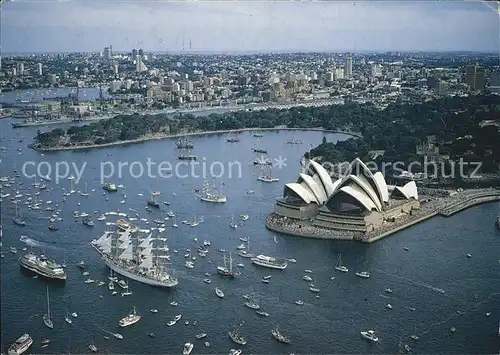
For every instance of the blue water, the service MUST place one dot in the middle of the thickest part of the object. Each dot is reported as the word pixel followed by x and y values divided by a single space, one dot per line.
pixel 331 324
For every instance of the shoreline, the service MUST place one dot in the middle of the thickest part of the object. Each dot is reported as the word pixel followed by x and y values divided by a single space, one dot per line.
pixel 475 198
pixel 154 137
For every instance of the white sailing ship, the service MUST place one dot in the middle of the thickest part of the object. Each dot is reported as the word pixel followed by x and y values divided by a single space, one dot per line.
pixel 135 256
pixel 211 194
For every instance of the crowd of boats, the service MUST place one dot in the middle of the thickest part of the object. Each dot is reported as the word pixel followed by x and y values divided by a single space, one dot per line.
pixel 142 255
pixel 210 194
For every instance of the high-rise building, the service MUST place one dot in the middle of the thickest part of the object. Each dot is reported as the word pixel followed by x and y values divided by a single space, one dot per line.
pixel 139 65
pixel 470 76
pixel 115 68
pixel 480 83
pixel 376 70
pixel 442 88
pixel 141 52
pixel 134 53
pixel 348 66
pixel 39 69
pixel 107 52
pixel 20 68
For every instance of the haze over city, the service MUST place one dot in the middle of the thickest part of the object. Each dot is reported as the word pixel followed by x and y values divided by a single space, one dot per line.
pixel 206 26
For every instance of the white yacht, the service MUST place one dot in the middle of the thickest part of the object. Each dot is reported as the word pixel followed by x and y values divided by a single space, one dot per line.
pixel 130 319
pixel 370 335
pixel 219 292
pixel 363 274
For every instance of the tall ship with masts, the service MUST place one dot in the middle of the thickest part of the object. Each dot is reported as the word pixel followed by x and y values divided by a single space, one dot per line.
pixel 184 143
pixel 152 200
pixel 136 256
pixel 211 194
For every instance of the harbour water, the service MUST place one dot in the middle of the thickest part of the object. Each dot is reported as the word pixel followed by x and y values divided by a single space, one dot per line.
pixel 436 259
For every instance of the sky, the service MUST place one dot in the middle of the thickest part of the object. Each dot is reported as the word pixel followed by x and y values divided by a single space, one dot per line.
pixel 245 26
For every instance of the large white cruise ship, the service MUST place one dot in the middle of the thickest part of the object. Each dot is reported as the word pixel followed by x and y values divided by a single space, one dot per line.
pixel 143 259
pixel 269 261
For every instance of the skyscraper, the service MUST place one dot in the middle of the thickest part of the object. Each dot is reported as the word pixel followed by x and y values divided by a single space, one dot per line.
pixel 348 66
pixel 107 52
pixel 134 53
pixel 470 76
pixel 480 83
pixel 39 68
pixel 141 52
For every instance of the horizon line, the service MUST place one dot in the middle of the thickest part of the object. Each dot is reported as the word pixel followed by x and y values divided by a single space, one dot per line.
pixel 249 52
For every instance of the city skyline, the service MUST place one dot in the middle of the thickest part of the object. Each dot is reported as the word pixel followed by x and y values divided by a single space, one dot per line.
pixel 210 26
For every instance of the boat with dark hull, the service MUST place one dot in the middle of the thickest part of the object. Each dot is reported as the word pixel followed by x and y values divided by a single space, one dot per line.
pixel 135 256
pixel 43 267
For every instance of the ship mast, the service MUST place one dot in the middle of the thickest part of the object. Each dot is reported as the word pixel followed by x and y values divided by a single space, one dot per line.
pixel 230 262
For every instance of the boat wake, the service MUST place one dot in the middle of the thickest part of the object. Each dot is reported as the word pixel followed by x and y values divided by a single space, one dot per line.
pixel 416 283
pixel 38 244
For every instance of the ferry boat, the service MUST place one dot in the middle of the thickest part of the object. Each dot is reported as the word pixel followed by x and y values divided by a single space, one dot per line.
pixel 21 345
pixel 134 257
pixel 270 262
pixel 280 337
pixel 43 267
pixel 130 319
pixel 110 187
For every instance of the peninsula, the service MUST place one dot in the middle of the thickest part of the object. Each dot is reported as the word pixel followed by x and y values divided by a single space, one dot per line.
pixel 361 206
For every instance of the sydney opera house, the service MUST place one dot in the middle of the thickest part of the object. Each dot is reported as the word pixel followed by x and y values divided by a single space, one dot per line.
pixel 348 208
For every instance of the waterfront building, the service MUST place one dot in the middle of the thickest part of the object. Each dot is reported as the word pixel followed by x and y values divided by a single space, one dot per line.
pixel 347 208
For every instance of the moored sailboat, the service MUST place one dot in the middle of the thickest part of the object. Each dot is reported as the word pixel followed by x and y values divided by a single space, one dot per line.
pixel 47 316
pixel 130 319
pixel 339 266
